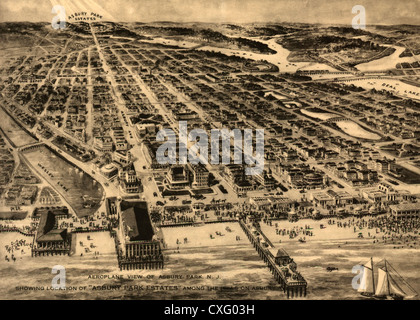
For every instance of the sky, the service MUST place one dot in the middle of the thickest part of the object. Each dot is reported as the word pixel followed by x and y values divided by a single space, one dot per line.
pixel 386 12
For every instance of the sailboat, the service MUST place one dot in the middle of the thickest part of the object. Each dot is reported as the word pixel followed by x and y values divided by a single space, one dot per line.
pixel 388 286
pixel 367 284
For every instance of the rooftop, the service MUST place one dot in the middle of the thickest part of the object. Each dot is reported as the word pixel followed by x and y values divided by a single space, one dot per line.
pixel 405 206
pixel 46 231
pixel 136 219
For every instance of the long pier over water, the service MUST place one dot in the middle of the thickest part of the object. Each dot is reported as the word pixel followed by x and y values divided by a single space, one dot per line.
pixel 293 287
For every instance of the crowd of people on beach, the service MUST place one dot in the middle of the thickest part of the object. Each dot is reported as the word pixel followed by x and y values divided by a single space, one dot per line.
pixel 295 231
pixel 390 230
pixel 382 229
pixel 16 247
pixel 11 226
pixel 92 222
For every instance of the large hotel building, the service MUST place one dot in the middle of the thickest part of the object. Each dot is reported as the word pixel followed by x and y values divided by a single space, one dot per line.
pixel 138 244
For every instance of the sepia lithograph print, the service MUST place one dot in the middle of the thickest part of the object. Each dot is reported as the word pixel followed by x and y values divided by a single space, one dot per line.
pixel 220 149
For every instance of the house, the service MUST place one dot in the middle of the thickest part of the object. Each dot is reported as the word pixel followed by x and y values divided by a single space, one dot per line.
pixel 405 210
pixel 129 182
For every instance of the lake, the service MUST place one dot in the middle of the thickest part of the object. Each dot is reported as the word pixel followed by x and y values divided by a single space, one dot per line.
pixel 386 63
pixel 81 187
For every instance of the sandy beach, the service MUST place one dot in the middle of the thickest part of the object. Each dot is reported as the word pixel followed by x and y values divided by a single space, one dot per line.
pixel 200 236
pixel 220 268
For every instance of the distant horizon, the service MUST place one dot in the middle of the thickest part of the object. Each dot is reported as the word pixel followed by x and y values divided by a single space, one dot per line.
pixel 333 12
pixel 219 23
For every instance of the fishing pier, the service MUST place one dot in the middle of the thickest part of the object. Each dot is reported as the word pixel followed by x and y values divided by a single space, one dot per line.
pixel 278 261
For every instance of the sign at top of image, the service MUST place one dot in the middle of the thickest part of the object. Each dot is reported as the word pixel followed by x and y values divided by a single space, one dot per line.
pixel 60 20
pixel 85 16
